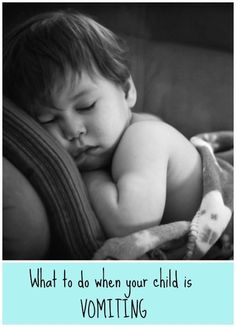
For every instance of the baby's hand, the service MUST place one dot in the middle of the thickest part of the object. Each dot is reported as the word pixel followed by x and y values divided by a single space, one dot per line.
pixel 88 176
pixel 94 179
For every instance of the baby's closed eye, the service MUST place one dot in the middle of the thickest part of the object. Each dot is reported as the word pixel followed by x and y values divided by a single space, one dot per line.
pixel 46 119
pixel 86 107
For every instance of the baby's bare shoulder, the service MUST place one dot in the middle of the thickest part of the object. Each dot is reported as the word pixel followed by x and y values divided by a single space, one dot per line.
pixel 145 146
pixel 146 134
pixel 154 131
pixel 157 141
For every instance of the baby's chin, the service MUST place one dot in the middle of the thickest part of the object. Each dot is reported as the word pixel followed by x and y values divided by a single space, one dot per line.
pixel 93 165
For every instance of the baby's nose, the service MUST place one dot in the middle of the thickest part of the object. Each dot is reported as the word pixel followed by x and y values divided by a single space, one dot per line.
pixel 73 129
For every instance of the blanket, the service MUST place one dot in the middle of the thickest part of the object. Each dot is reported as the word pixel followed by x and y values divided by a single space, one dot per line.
pixel 210 233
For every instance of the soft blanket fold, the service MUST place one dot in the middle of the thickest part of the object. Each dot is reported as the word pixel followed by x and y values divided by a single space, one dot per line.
pixel 210 231
pixel 216 207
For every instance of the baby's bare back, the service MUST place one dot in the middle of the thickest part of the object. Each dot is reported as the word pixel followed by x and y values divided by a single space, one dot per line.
pixel 184 180
pixel 184 173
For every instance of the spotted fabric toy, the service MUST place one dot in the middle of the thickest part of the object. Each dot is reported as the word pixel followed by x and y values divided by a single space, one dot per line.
pixel 209 234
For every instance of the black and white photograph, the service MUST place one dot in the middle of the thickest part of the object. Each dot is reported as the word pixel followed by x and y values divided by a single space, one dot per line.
pixel 117 163
pixel 117 131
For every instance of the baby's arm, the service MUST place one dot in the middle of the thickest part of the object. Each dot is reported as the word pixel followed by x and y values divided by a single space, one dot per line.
pixel 134 197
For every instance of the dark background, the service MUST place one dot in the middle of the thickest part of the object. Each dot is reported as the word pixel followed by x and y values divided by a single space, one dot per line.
pixel 201 24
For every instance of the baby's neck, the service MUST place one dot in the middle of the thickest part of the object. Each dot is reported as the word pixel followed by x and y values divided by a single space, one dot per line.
pixel 137 117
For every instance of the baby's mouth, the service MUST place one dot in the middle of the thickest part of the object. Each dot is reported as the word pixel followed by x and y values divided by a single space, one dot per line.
pixel 81 152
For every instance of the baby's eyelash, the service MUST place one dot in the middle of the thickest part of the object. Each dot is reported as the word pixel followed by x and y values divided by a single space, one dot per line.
pixel 86 108
pixel 49 121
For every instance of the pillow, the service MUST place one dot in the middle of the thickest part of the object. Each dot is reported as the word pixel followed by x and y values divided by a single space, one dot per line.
pixel 26 232
pixel 54 175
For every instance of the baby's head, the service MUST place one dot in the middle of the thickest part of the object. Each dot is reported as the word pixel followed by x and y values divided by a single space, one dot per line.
pixel 71 74
pixel 38 54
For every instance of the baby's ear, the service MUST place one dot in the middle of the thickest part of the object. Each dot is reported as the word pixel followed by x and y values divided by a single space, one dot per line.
pixel 131 93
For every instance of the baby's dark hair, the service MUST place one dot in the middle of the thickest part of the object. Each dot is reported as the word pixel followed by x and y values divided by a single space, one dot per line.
pixel 39 51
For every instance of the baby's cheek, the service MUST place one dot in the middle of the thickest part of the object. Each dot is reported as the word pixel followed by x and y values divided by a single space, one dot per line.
pixel 56 134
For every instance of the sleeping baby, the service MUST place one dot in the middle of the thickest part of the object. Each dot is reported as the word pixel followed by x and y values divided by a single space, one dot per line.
pixel 71 75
